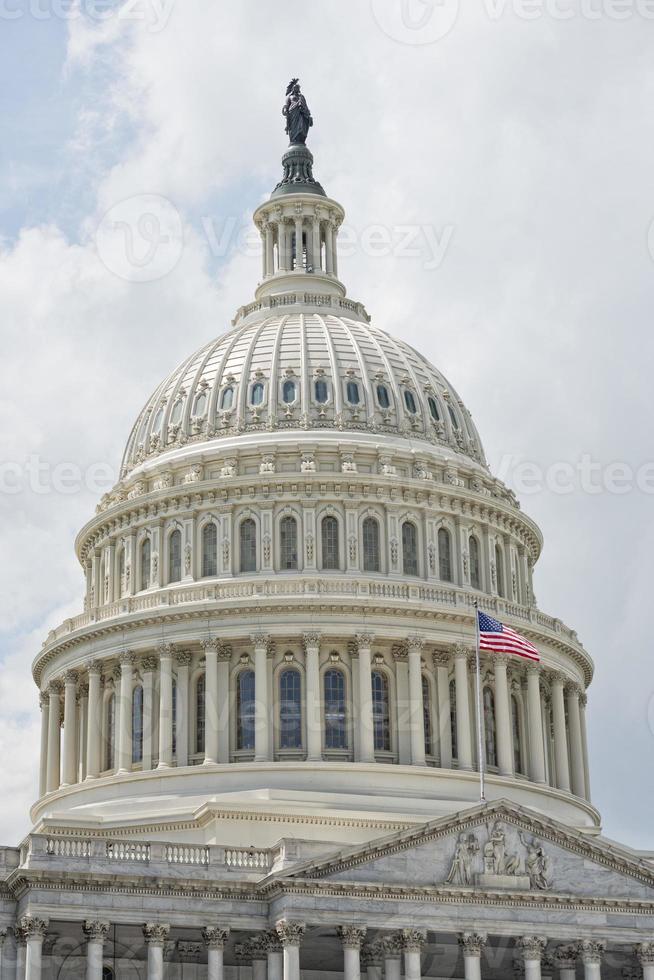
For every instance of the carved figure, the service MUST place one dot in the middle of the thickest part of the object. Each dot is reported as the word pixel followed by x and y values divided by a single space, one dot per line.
pixel 537 864
pixel 296 112
pixel 461 869
pixel 496 860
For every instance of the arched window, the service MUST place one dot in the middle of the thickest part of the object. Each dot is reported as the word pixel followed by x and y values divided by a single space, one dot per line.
pixel 110 732
pixel 137 724
pixel 352 393
pixel 175 556
pixel 290 709
pixel 321 391
pixel 227 399
pixel 288 392
pixel 329 539
pixel 444 555
pixel 174 714
pixel 453 733
pixel 371 552
pixel 200 405
pixel 499 569
pixel 410 402
pixel 245 710
pixel 158 422
pixel 288 543
pixel 146 553
pixel 176 414
pixel 426 714
pixel 409 548
pixel 335 710
pixel 475 567
pixel 488 700
pixel 453 419
pixel 121 572
pixel 381 714
pixel 433 408
pixel 209 550
pixel 515 732
pixel 383 397
pixel 200 691
pixel 248 538
pixel 257 393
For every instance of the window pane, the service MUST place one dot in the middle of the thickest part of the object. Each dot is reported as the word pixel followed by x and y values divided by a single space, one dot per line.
pixel 433 408
pixel 383 397
pixel 209 550
pixel 371 555
pixel 248 546
pixel 409 548
pixel 380 712
pixel 290 710
pixel 145 564
pixel 257 393
pixel 227 399
pixel 352 390
pixel 176 413
pixel 137 724
pixel 475 572
pixel 444 555
pixel 410 402
pixel 175 556
pixel 200 689
pixel 288 543
pixel 200 405
pixel 245 710
pixel 335 711
pixel 288 392
pixel 453 418
pixel 329 532
pixel 426 711
pixel 158 421
pixel 489 726
pixel 322 392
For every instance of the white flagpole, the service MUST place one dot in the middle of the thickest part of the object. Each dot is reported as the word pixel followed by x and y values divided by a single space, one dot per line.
pixel 480 739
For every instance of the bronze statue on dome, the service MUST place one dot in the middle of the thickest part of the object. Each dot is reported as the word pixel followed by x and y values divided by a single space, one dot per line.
pixel 296 112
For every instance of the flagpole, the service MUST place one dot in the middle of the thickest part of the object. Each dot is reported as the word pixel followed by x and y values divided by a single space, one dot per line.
pixel 480 740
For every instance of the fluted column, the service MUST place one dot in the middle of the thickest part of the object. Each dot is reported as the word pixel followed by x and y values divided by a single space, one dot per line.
pixel 148 668
pixel 259 959
pixel 503 716
pixel 3 937
pixel 329 249
pixel 313 699
pixel 532 949
pixel 155 935
pixel 578 775
pixel 392 948
pixel 183 660
pixel 20 942
pixel 165 707
pixel 415 646
pixel 366 732
pixel 44 702
pixel 124 758
pixel 590 951
pixel 298 242
pixel 70 728
pixel 96 934
pixel 645 956
pixel 34 930
pixel 584 740
pixel 372 958
pixel 565 958
pixel 224 658
pixel 282 247
pixel 536 746
pixel 261 697
pixel 54 736
pixel 441 664
pixel 215 938
pixel 334 231
pixel 463 729
pixel 273 947
pixel 83 725
pixel 560 735
pixel 211 701
pixel 94 722
pixel 316 256
pixel 352 938
pixel 270 251
pixel 472 943
pixel 290 934
pixel 413 941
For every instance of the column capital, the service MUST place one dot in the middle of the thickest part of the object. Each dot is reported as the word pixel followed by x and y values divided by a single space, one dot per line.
pixel 149 664
pixel 461 652
pixel 558 677
pixel 83 691
pixel 3 936
pixel 312 638
pixel 260 640
pixel 531 947
pixel 215 937
pixel 499 660
pixel 415 642
pixel 583 699
pixel 165 650
pixel 534 670
pixel 95 930
pixel 93 666
pixel 351 936
pixel 44 698
pixel 271 942
pixel 290 932
pixel 372 954
pixel 70 677
pixel 440 659
pixel 392 946
pixel 224 652
pixel 20 936
pixel 591 951
pixel 565 957
pixel 56 687
pixel 644 953
pixel 413 939
pixel 210 643
pixel 156 933
pixel 31 927
pixel 364 640
pixel 126 658
pixel 572 689
pixel 471 943
pixel 183 658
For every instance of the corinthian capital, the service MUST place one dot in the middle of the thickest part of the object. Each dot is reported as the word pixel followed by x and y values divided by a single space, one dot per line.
pixel 415 642
pixel 312 639
pixel 364 640
pixel 126 658
pixel 565 957
pixel 471 943
pixel 155 933
pixel 95 930
pixel 645 953
pixel 591 951
pixel 351 936
pixel 260 640
pixel 531 947
pixel 460 650
pixel 210 644
pixel 290 932
pixel 31 926
pixel 215 937
pixel 70 677
pixel 413 939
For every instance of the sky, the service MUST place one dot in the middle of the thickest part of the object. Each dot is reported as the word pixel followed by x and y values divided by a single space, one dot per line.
pixel 494 158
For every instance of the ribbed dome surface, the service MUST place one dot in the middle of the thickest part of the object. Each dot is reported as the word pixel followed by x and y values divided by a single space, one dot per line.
pixel 303 371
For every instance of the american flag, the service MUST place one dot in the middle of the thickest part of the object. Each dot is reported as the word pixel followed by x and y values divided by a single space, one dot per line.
pixel 499 638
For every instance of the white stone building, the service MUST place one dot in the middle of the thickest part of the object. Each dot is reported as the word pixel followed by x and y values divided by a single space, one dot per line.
pixel 258 752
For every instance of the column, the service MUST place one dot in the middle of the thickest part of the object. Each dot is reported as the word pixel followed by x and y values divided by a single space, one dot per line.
pixel 44 703
pixel 329 249
pixel 313 698
pixel 334 231
pixel 83 726
pixel 471 944
pixel 261 702
pixel 591 951
pixel 214 939
pixel 299 264
pixel 565 959
pixel 372 955
pixel 155 935
pixel 351 937
pixel 54 736
pixel 584 740
pixel 165 707
pixel 413 940
pixel 441 665
pixel 532 949
pixel 270 251
pixel 415 646
pixel 224 658
pixel 210 701
pixel 33 930
pixel 536 747
pixel 3 937
pixel 98 587
pixel 94 723
pixel 366 734
pixel 290 934
pixel 273 947
pixel 70 727
pixel 316 257
pixel 20 940
pixel 183 663
pixel 645 956
pixel 148 667
pixel 576 747
pixel 282 246
pixel 96 933
pixel 560 736
pixel 259 957
pixel 124 756
pixel 392 949
pixel 463 730
pixel 503 717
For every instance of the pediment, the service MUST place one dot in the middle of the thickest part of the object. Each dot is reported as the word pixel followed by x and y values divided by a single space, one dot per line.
pixel 496 847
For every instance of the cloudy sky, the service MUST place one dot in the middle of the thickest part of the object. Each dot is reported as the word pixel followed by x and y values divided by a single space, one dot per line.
pixel 495 160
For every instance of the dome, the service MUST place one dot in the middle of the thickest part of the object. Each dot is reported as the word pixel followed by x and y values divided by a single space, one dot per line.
pixel 303 371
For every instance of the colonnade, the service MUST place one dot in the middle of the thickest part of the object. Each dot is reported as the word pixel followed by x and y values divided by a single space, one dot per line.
pixel 316 235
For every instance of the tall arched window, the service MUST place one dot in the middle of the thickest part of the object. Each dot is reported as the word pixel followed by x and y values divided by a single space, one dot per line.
pixel 515 732
pixel 383 397
pixel 226 399
pixel 426 713
pixel 381 714
pixel 453 419
pixel 352 393
pixel 371 551
pixel 329 539
pixel 410 402
pixel 110 732
pixel 146 554
pixel 209 550
pixel 200 698
pixel 257 393
pixel 245 710
pixel 488 699
pixel 288 392
pixel 444 555
pixel 335 710
pixel 288 543
pixel 176 414
pixel 290 709
pixel 433 409
pixel 321 391
pixel 499 569
pixel 175 556
pixel 453 732
pixel 409 548
pixel 475 566
pixel 137 724
pixel 248 540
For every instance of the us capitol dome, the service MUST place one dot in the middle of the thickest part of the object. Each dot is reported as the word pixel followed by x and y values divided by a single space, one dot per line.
pixel 258 743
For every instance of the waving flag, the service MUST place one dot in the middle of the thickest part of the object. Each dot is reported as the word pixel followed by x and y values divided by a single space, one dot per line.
pixel 498 638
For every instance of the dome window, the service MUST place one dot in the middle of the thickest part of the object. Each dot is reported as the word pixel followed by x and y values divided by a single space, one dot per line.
pixel 383 397
pixel 200 405
pixel 258 391
pixel 410 402
pixel 176 415
pixel 433 409
pixel 453 418
pixel 227 399
pixel 321 391
pixel 352 391
pixel 289 392
pixel 158 422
